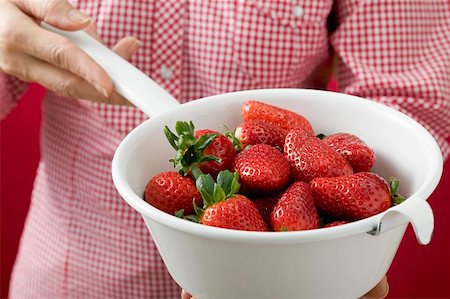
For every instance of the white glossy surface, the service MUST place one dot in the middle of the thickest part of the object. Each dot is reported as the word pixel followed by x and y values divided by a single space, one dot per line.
pixel 337 262
pixel 418 212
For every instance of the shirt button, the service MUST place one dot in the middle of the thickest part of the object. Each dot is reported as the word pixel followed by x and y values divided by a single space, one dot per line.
pixel 297 11
pixel 166 72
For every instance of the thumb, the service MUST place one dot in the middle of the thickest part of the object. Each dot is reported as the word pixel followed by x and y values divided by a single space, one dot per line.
pixel 380 291
pixel 58 13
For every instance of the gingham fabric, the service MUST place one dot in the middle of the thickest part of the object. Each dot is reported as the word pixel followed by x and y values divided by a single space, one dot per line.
pixel 81 240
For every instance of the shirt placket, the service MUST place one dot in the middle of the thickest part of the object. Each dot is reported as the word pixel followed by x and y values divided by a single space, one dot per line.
pixel 167 45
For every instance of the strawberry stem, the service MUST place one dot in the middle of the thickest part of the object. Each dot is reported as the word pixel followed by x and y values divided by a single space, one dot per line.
pixel 394 185
pixel 196 172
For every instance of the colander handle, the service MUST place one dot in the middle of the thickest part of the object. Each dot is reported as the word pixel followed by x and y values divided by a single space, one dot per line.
pixel 130 82
pixel 419 213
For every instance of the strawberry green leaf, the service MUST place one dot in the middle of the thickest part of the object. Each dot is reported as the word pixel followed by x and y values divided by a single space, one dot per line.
pixel 219 194
pixel 210 158
pixel 235 184
pixel 186 157
pixel 192 218
pixel 394 185
pixel 323 220
pixel 283 229
pixel 171 137
pixel 198 211
pixel 321 136
pixel 278 148
pixel 196 172
pixel 225 179
pixel 229 181
pixel 183 127
pixel 204 141
pixel 205 185
pixel 184 142
pixel 179 213
pixel 212 192
pixel 234 140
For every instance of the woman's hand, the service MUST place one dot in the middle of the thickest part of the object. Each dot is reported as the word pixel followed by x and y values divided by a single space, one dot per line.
pixel 34 54
pixel 380 291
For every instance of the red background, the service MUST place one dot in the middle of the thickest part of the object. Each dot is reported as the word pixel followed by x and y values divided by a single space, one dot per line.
pixel 417 271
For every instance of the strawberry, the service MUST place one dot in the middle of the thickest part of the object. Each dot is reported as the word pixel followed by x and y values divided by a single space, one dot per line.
pixel 262 169
pixel 360 156
pixel 237 212
pixel 354 197
pixel 336 223
pixel 208 150
pixel 170 192
pixel 223 208
pixel 221 148
pixel 265 205
pixel 295 210
pixel 309 157
pixel 257 132
pixel 285 119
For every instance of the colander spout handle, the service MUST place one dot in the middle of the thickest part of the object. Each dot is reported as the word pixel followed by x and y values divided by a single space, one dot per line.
pixel 131 83
pixel 419 213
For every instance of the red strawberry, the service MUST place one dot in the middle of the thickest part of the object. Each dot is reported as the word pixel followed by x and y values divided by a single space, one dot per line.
pixel 170 192
pixel 360 156
pixel 262 169
pixel 351 197
pixel 257 132
pixel 285 119
pixel 310 157
pixel 265 205
pixel 295 210
pixel 237 212
pixel 221 148
pixel 223 208
pixel 206 149
pixel 336 223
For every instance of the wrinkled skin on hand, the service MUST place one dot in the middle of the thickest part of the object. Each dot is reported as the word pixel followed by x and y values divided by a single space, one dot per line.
pixel 33 54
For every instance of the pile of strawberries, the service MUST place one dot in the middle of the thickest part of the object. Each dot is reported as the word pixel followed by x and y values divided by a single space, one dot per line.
pixel 272 174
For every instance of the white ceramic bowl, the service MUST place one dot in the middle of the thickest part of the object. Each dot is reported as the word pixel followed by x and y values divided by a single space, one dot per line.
pixel 339 262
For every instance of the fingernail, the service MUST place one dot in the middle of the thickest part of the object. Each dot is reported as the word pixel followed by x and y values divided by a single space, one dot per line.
pixel 134 46
pixel 78 17
pixel 386 292
pixel 100 89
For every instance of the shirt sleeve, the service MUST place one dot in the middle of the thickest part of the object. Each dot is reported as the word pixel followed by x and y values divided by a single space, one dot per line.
pixel 397 53
pixel 11 90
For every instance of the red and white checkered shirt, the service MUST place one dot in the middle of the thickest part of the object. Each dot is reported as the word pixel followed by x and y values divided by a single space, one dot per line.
pixel 81 240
